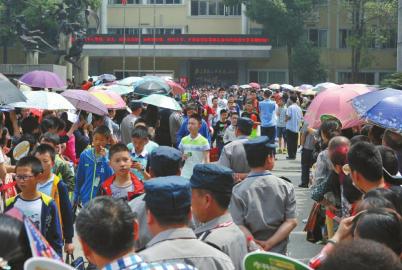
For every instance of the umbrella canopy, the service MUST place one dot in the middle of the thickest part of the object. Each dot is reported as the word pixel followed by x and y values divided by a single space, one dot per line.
pixel 107 77
pixel 151 85
pixel 83 100
pixel 245 86
pixel 162 101
pixel 255 85
pixel 323 86
pixel 387 113
pixel 44 101
pixel 366 101
pixel 334 101
pixel 43 79
pixel 9 93
pixel 305 87
pixel 116 88
pixel 287 87
pixel 129 81
pixel 177 89
pixel 110 99
pixel 274 86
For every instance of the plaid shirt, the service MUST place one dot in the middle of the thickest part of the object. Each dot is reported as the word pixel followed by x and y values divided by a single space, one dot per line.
pixel 134 262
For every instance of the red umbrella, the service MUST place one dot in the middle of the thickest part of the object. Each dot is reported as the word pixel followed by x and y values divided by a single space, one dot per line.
pixel 255 85
pixel 177 89
pixel 335 101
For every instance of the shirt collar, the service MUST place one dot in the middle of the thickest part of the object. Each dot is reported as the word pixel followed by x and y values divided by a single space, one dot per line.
pixel 170 234
pixel 125 262
pixel 213 223
pixel 143 154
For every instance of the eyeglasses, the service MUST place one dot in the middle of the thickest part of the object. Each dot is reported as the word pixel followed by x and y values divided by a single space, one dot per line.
pixel 22 177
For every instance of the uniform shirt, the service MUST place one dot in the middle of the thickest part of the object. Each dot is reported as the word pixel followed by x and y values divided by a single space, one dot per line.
pixel 222 233
pixel 267 110
pixel 261 203
pixel 230 134
pixel 141 158
pixel 233 156
pixel 296 115
pixel 139 209
pixel 47 186
pixel 181 245
pixel 31 209
pixel 194 149
pixel 126 127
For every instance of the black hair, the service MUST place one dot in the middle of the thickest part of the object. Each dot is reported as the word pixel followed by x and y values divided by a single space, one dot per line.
pixel 96 117
pixel 214 98
pixel 14 247
pixel 267 93
pixel 51 138
pixel 374 202
pixel 222 199
pixel 45 149
pixel 140 133
pixel 167 218
pixel 196 116
pixel 47 124
pixel 361 254
pixel 359 138
pixel 330 129
pixel 387 194
pixel 106 226
pixel 223 111
pixel 393 140
pixel 389 162
pixel 31 162
pixel 381 225
pixel 293 98
pixel 117 148
pixel 257 158
pixel 140 120
pixel 103 130
pixel 375 134
pixel 29 124
pixel 234 113
pixel 221 89
pixel 365 158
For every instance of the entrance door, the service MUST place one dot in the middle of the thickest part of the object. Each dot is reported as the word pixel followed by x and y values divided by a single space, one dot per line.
pixel 213 73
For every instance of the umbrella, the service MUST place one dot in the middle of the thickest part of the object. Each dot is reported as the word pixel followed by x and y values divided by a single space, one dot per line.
pixel 116 88
pixel 323 86
pixel 308 92
pixel 83 100
pixel 162 102
pixel 43 79
pixel 255 85
pixel 177 89
pixel 107 77
pixel 287 87
pixel 110 99
pixel 9 92
pixel 274 86
pixel 245 86
pixel 366 101
pixel 305 87
pixel 334 101
pixel 151 85
pixel 129 81
pixel 387 113
pixel 44 101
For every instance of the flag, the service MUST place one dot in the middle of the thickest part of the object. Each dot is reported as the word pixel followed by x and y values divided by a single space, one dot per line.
pixel 124 2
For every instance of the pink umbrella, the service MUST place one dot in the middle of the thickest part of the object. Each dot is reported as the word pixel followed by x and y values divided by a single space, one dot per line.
pixel 255 85
pixel 177 89
pixel 335 101
pixel 109 98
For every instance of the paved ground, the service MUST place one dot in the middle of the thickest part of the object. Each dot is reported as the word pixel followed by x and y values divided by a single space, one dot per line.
pixel 298 247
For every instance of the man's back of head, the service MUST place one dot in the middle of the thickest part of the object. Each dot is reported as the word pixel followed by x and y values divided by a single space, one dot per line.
pixel 365 158
pixel 393 140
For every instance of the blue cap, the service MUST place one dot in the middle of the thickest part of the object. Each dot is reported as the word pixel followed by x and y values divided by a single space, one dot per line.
pixel 258 143
pixel 164 159
pixel 168 194
pixel 245 125
pixel 212 177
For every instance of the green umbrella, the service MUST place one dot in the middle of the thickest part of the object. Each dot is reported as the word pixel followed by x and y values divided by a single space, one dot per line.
pixel 162 102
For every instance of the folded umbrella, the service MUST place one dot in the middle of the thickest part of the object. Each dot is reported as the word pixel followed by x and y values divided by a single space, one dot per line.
pixel 9 93
pixel 366 101
pixel 83 100
pixel 44 100
pixel 162 101
pixel 387 113
pixel 43 79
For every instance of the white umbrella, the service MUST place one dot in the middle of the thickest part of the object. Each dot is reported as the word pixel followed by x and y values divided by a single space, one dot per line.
pixel 287 86
pixel 162 102
pixel 44 101
pixel 245 86
pixel 129 81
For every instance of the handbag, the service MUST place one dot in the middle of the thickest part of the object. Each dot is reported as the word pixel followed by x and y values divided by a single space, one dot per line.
pixel 78 263
pixel 314 223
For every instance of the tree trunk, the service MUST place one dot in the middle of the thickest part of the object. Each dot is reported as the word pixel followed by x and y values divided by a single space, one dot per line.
pixel 358 34
pixel 5 54
pixel 290 64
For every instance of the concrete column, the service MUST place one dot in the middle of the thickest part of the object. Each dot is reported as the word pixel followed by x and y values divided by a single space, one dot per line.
pixel 82 73
pixel 32 57
pixel 399 46
pixel 103 17
pixel 242 72
pixel 244 20
pixel 184 68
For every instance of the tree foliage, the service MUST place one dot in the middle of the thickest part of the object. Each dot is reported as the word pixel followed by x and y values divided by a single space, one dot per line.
pixel 393 81
pixel 307 65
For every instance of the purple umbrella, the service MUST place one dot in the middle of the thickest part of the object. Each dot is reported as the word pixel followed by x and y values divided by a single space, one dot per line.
pixel 43 79
pixel 83 100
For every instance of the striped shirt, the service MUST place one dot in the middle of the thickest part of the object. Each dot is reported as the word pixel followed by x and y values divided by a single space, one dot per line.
pixel 194 150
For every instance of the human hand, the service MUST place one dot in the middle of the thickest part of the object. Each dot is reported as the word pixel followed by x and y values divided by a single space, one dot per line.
pixel 263 244
pixel 69 248
pixel 102 151
pixel 137 165
pixel 344 230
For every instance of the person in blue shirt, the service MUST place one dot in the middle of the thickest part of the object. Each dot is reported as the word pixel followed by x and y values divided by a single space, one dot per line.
pixel 93 168
pixel 268 117
pixel 183 131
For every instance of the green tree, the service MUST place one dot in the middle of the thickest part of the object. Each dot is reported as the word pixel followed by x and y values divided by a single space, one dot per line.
pixel 307 65
pixel 393 81
pixel 282 19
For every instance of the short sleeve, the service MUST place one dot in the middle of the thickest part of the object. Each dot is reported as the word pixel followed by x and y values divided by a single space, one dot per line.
pixel 237 209
pixel 290 207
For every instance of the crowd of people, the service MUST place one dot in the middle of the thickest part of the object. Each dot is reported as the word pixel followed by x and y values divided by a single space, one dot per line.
pixel 152 188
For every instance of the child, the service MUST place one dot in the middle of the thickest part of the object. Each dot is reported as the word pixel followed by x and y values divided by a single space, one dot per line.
pixel 123 184
pixel 253 115
pixel 219 130
pixel 195 147
pixel 51 185
pixel 40 208
pixel 139 154
pixel 93 168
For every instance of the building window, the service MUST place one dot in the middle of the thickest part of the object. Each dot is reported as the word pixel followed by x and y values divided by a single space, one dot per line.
pixel 150 2
pixel 344 34
pixel 267 77
pixel 318 37
pixel 119 2
pixel 213 8
pixel 364 77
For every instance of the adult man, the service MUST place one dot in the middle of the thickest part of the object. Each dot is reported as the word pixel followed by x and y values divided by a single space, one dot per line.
pixel 268 117
pixel 263 205
pixel 294 116
pixel 394 140
pixel 168 202
pixel 127 124
pixel 211 192
pixel 106 230
pixel 365 167
pixel 163 161
pixel 233 155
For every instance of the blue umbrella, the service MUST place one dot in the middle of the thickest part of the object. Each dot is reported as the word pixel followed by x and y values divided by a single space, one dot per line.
pixel 151 85
pixel 365 102
pixel 387 113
